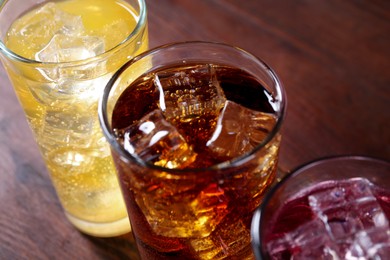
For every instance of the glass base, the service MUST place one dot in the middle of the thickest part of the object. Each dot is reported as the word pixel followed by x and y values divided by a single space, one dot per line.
pixel 108 229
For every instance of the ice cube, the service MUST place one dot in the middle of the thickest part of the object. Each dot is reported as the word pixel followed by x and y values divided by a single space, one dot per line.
pixel 348 209
pixel 372 243
pixel 67 41
pixel 205 248
pixel 231 238
pixel 40 26
pixel 210 206
pixel 309 241
pixel 72 144
pixel 353 191
pixel 63 37
pixel 68 24
pixel 70 90
pixel 313 241
pixel 239 130
pixel 178 221
pixel 44 93
pixel 79 89
pixel 189 215
pixel 67 128
pixel 63 48
pixel 189 93
pixel 155 140
pixel 371 214
pixel 279 247
pixel 69 159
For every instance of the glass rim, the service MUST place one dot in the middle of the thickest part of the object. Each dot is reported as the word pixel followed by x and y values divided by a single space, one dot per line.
pixel 256 219
pixel 140 23
pixel 103 117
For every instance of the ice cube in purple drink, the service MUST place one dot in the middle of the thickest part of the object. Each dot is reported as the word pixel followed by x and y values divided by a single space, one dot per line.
pixel 348 208
pixel 309 241
pixel 373 243
pixel 347 222
pixel 343 193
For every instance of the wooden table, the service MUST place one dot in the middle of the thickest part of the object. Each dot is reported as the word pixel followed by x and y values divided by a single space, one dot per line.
pixel 332 56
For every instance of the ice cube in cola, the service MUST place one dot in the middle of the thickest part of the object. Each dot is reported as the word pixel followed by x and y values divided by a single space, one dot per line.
pixel 155 140
pixel 239 130
pixel 200 212
pixel 189 93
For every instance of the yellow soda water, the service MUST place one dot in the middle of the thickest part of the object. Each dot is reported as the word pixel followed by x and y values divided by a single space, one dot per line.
pixel 77 45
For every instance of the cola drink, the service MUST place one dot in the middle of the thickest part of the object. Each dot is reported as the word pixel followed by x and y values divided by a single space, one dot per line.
pixel 187 128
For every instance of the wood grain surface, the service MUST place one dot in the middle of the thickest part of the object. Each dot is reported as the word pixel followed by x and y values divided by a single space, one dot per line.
pixel 332 56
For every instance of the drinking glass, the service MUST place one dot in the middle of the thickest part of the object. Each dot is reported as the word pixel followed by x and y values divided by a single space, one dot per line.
pixel 59 55
pixel 331 208
pixel 191 103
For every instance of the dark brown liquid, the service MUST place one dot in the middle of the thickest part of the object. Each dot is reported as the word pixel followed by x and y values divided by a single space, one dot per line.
pixel 142 97
pixel 211 213
pixel 238 86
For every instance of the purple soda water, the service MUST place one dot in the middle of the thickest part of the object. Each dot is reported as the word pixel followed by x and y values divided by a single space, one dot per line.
pixel 345 219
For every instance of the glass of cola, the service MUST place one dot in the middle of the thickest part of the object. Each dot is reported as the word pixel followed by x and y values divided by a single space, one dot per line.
pixel 194 129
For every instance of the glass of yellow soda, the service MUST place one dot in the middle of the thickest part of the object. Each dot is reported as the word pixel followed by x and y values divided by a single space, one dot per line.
pixel 59 55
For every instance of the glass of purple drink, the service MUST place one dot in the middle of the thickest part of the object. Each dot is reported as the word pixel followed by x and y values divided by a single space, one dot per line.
pixel 333 208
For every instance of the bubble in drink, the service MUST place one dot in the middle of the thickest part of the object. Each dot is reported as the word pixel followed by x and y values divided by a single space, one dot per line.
pixel 202 215
pixel 346 219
